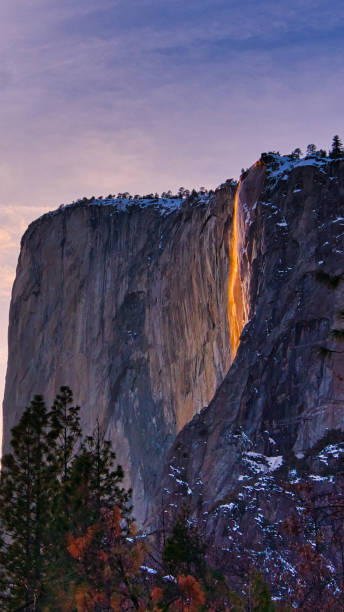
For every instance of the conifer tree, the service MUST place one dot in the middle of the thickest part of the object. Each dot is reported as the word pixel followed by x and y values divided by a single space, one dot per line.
pixel 311 149
pixel 65 428
pixel 53 487
pixel 186 581
pixel 296 154
pixel 28 481
pixel 259 596
pixel 184 551
pixel 96 480
pixel 103 558
pixel 337 148
pixel 65 436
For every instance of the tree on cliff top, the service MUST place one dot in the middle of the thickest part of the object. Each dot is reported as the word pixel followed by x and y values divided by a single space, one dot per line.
pixel 337 148
pixel 311 150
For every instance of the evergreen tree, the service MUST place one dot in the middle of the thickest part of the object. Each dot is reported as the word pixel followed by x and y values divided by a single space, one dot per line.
pixel 259 595
pixel 184 552
pixel 4 582
pixel 296 154
pixel 65 429
pixel 187 581
pixel 65 436
pixel 99 478
pixel 53 487
pixel 97 560
pixel 28 481
pixel 337 148
pixel 311 149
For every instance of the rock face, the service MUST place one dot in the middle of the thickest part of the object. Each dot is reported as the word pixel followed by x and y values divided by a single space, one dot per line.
pixel 125 302
pixel 285 389
pixel 139 308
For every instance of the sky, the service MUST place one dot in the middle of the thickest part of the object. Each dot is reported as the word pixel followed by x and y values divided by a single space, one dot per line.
pixel 101 96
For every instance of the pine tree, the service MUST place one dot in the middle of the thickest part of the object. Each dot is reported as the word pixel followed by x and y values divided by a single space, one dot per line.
pixel 28 481
pixel 260 596
pixel 65 428
pixel 337 148
pixel 65 436
pixel 296 154
pixel 184 551
pixel 99 478
pixel 103 556
pixel 311 149
pixel 54 487
pixel 186 581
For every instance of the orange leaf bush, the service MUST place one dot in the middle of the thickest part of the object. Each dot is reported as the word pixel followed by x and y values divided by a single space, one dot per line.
pixel 156 594
pixel 192 594
pixel 77 546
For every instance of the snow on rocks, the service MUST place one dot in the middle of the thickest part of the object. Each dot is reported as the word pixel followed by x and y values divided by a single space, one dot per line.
pixel 260 463
pixel 149 570
pixel 280 166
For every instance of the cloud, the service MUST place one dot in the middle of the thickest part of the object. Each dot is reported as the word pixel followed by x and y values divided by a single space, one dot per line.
pixel 6 239
pixel 7 274
pixel 13 223
pixel 145 95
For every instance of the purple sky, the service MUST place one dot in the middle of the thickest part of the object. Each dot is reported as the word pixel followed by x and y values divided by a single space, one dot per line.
pixel 100 96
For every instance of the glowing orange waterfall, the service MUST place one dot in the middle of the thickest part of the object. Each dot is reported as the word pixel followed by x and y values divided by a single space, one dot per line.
pixel 237 312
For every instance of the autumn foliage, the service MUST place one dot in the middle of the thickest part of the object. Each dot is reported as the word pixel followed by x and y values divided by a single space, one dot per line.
pixel 77 547
pixel 189 595
pixel 107 558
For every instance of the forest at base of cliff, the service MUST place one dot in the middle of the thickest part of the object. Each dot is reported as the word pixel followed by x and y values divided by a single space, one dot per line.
pixel 69 541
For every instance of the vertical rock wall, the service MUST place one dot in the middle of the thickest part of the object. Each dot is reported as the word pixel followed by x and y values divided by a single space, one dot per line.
pixel 285 389
pixel 128 308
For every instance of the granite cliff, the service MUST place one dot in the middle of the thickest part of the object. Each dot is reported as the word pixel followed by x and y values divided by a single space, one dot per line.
pixel 125 301
pixel 274 427
pixel 141 307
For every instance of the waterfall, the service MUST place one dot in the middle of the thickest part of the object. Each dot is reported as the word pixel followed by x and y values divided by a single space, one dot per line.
pixel 237 307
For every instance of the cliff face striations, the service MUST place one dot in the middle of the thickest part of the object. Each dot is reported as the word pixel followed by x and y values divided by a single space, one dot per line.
pixel 125 302
pixel 285 389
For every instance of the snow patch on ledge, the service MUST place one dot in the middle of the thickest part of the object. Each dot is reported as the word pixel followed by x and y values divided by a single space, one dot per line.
pixel 279 166
pixel 165 206
pixel 262 464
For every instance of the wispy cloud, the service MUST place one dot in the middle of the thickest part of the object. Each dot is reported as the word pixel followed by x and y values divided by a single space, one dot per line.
pixel 143 95
pixel 121 94
pixel 13 222
pixel 7 274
